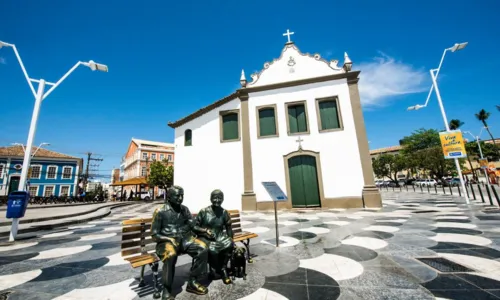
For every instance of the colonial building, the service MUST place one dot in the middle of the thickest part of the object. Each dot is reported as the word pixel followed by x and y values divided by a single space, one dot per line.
pixel 52 173
pixel 298 123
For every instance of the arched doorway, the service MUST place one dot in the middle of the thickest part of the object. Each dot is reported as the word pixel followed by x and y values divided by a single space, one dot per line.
pixel 303 181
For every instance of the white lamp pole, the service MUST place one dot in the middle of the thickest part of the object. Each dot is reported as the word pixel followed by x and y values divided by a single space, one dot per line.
pixel 40 95
pixel 480 151
pixel 455 47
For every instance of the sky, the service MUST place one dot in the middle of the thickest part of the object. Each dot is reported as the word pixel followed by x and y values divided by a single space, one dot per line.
pixel 167 59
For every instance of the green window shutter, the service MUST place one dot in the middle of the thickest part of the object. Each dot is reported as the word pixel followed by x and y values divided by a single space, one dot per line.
pixel 267 122
pixel 188 137
pixel 328 112
pixel 297 118
pixel 230 127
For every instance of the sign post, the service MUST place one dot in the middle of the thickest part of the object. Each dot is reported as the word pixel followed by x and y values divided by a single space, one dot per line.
pixel 277 195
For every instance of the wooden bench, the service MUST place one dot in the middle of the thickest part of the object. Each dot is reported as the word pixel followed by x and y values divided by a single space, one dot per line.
pixel 138 247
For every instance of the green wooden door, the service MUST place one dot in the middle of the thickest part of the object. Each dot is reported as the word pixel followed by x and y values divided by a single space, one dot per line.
pixel 14 184
pixel 304 181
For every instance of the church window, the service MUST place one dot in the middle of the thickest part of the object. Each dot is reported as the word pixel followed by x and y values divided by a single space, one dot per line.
pixel 297 118
pixel 328 114
pixel 267 121
pixel 229 125
pixel 188 137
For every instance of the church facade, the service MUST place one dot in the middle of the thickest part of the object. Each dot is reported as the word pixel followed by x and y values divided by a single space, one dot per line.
pixel 298 123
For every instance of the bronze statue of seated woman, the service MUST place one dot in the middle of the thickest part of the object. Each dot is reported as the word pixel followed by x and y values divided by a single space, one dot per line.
pixel 218 234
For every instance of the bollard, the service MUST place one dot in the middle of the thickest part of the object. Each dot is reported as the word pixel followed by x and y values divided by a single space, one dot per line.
pixel 451 191
pixel 444 191
pixel 496 194
pixel 386 187
pixel 400 188
pixel 393 188
pixel 467 191
pixel 459 191
pixel 421 188
pixel 472 190
pixel 413 187
pixel 406 186
pixel 428 189
pixel 480 193
pixel 489 194
pixel 436 188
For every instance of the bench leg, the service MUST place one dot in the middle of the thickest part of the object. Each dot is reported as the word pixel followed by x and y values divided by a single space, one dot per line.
pixel 154 267
pixel 141 280
pixel 247 246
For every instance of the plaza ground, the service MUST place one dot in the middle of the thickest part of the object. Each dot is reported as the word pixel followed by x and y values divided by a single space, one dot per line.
pixel 418 246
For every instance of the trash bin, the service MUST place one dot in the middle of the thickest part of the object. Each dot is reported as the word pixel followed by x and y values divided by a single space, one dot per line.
pixel 17 203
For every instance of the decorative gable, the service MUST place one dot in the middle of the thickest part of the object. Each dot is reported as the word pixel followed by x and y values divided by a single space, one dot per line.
pixel 294 65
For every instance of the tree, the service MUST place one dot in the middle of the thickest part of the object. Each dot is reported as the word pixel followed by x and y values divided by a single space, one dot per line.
pixel 387 165
pixel 423 151
pixel 482 116
pixel 160 175
pixel 455 124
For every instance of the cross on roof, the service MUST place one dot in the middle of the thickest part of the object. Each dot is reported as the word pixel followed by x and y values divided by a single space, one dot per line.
pixel 300 140
pixel 288 33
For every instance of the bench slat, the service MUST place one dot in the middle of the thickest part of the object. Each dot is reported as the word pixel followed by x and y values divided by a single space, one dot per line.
pixel 135 228
pixel 236 221
pixel 137 243
pixel 237 230
pixel 137 221
pixel 132 252
pixel 136 235
pixel 139 261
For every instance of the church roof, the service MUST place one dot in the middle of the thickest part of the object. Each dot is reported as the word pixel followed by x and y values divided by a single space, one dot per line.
pixel 291 68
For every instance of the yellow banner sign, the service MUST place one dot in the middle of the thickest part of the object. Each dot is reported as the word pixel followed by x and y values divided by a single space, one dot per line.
pixel 453 144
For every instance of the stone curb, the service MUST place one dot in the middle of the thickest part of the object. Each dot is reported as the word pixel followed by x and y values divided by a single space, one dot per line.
pixel 27 221
pixel 107 211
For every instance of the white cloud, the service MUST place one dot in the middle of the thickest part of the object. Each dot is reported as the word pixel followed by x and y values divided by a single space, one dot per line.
pixel 384 78
pixel 2 61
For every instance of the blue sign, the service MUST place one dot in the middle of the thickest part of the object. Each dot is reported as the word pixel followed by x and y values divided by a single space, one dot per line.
pixel 274 191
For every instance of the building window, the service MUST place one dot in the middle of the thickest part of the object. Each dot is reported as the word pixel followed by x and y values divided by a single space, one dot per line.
pixel 153 156
pixel 64 190
pixel 51 172
pixel 67 172
pixel 143 171
pixel 162 157
pixel 2 170
pixel 49 191
pixel 35 172
pixel 188 137
pixel 144 155
pixel 328 114
pixel 229 126
pixel 297 118
pixel 33 190
pixel 267 122
pixel 170 158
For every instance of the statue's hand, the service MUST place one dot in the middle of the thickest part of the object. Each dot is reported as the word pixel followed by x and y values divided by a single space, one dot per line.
pixel 210 234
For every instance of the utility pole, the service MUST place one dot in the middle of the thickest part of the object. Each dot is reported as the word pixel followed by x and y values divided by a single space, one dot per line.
pixel 89 158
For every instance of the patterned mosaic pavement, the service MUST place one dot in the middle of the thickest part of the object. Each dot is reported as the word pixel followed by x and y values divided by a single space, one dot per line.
pixel 418 246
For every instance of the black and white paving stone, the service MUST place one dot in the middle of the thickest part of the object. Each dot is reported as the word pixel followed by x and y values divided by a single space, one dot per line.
pixel 417 246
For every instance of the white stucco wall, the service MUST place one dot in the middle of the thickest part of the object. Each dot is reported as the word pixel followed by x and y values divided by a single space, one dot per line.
pixel 209 164
pixel 339 154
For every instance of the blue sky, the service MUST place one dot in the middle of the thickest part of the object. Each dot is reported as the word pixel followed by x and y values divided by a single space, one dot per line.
pixel 169 58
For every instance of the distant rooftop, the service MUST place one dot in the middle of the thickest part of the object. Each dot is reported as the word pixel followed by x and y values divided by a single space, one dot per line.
pixel 17 151
pixel 147 143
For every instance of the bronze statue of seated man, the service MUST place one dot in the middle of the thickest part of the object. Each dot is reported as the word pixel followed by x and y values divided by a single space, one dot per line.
pixel 214 220
pixel 173 229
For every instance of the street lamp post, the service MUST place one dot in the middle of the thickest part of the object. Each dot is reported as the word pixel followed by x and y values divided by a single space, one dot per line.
pixel 40 95
pixel 480 152
pixel 434 73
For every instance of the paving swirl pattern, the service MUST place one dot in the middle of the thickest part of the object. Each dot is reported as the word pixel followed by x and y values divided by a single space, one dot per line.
pixel 417 246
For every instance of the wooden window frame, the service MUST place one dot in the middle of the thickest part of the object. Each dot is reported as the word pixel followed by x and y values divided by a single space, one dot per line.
pixel 60 189
pixel 70 173
pixel 55 172
pixel 185 131
pixel 339 114
pixel 37 189
pixel 257 110
pixel 223 113
pixel 153 158
pixel 3 170
pixel 45 189
pixel 39 172
pixel 288 104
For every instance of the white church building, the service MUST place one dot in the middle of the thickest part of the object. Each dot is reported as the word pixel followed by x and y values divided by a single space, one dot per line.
pixel 298 123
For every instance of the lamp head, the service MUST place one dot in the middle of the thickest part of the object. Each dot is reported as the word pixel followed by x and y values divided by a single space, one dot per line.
pixel 458 46
pixel 415 107
pixel 96 66
pixel 3 44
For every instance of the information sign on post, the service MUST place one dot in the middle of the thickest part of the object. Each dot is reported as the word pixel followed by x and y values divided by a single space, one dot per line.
pixel 453 144
pixel 277 195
